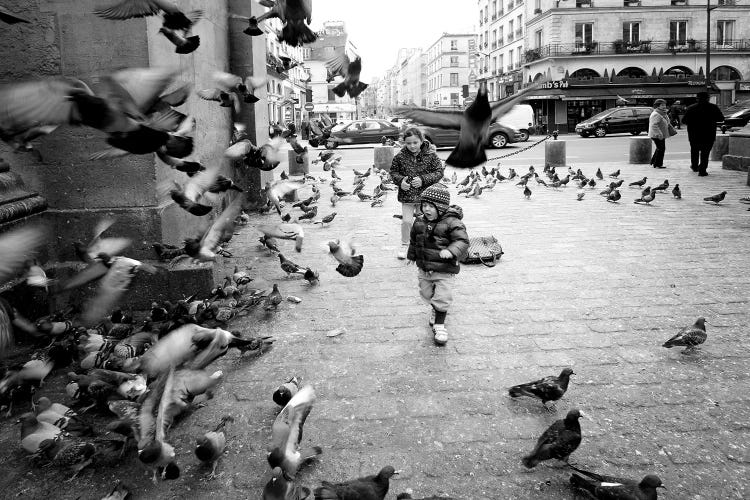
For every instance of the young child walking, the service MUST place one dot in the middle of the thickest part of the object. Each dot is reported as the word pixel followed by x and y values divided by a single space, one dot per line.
pixel 438 242
pixel 414 169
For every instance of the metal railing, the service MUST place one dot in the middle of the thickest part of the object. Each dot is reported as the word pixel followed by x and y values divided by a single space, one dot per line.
pixel 519 32
pixel 510 37
pixel 642 47
pixel 494 45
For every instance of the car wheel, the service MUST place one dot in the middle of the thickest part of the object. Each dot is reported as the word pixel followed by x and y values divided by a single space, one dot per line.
pixel 331 144
pixel 600 132
pixel 524 135
pixel 635 132
pixel 499 140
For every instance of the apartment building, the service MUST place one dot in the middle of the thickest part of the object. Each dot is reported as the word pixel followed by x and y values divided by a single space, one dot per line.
pixel 595 52
pixel 333 40
pixel 501 46
pixel 448 68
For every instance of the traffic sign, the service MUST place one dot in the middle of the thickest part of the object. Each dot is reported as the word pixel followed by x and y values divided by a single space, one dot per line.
pixel 309 106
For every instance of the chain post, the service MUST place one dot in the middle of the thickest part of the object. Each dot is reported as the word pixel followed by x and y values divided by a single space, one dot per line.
pixel 520 150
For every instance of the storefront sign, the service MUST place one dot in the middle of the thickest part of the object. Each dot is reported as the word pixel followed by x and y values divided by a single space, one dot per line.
pixel 555 84
pixel 692 83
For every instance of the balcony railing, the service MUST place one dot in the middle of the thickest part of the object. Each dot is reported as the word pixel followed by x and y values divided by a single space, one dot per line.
pixel 485 45
pixel 494 45
pixel 679 2
pixel 519 32
pixel 494 72
pixel 637 48
pixel 510 67
pixel 510 5
pixel 537 11
pixel 510 37
pixel 517 65
pixel 494 17
pixel 584 4
pixel 631 3
pixel 726 2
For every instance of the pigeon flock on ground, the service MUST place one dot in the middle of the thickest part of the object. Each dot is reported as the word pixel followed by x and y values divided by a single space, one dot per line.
pixel 144 374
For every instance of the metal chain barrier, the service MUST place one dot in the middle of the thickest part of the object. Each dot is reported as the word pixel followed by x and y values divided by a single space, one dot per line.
pixel 520 150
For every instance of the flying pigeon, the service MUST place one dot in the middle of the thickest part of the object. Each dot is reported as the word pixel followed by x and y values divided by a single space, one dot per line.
pixel 340 65
pixel 473 124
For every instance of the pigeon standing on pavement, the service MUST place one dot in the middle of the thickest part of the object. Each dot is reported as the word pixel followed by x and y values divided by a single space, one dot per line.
pixel 546 389
pixel 364 488
pixel 527 192
pixel 663 186
pixel 639 183
pixel 599 174
pixel 676 192
pixel 615 488
pixel 210 447
pixel 286 391
pixel 717 198
pixel 689 336
pixel 646 198
pixel 615 174
pixel 558 441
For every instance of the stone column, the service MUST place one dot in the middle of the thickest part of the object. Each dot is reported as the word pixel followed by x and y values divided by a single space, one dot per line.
pixel 640 150
pixel 247 56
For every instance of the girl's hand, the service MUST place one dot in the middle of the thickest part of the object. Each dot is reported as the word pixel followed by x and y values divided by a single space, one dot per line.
pixel 446 254
pixel 405 184
pixel 416 182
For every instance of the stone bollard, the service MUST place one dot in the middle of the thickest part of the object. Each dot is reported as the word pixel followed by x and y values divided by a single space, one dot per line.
pixel 721 147
pixel 554 153
pixel 640 150
pixel 298 168
pixel 384 157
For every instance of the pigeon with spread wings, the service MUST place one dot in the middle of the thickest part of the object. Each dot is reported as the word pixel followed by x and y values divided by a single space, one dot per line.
pixel 221 231
pixel 287 433
pixel 350 265
pixel 34 108
pixel 295 16
pixel 340 65
pixel 473 124
pixel 175 26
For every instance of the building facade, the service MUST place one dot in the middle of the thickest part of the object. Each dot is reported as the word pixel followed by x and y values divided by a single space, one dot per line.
pixel 448 67
pixel 287 89
pixel 501 46
pixel 332 40
pixel 596 53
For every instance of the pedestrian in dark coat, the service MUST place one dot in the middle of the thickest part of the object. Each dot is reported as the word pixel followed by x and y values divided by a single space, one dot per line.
pixel 701 119
pixel 413 169
pixel 438 242
pixel 676 111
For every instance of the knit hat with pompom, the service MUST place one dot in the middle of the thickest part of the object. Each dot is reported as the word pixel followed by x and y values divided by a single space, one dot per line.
pixel 438 195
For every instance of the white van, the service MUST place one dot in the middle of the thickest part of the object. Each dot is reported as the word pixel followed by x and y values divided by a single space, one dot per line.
pixel 520 117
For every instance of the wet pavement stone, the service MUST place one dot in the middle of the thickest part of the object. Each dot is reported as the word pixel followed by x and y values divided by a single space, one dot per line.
pixel 591 285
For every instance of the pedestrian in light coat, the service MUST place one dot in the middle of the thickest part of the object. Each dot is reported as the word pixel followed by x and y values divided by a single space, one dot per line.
pixel 658 131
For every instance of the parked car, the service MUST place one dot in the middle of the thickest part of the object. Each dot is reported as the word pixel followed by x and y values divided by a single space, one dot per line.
pixel 363 132
pixel 632 119
pixel 499 136
pixel 737 119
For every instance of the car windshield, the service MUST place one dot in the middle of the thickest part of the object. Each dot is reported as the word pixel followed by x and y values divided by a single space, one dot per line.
pixel 740 114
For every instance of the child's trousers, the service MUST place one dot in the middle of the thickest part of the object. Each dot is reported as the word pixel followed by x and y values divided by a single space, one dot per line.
pixel 435 289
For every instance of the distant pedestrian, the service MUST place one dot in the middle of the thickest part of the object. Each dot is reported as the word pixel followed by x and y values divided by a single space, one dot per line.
pixel 701 119
pixel 413 169
pixel 659 130
pixel 437 243
pixel 676 111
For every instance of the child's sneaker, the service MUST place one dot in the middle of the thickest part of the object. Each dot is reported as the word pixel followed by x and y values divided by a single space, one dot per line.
pixel 441 334
pixel 432 316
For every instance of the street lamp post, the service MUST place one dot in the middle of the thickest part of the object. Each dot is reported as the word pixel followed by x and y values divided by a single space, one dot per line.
pixel 709 8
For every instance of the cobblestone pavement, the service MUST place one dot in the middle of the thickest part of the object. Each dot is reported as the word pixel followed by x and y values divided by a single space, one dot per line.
pixel 590 284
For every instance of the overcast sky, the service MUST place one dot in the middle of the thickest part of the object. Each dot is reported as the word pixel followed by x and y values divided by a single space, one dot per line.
pixel 378 28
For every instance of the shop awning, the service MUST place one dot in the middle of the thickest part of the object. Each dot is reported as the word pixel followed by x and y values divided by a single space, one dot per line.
pixel 615 92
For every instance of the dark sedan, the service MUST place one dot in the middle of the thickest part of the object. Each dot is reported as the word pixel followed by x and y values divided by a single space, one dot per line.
pixel 499 136
pixel 362 132
pixel 737 119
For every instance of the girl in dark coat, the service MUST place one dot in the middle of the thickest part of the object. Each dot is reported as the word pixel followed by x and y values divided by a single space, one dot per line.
pixel 414 169
pixel 438 242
